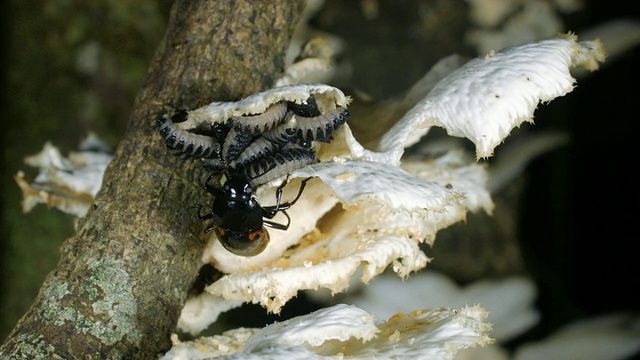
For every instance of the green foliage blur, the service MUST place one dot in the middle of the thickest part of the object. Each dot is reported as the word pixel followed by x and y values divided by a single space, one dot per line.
pixel 69 68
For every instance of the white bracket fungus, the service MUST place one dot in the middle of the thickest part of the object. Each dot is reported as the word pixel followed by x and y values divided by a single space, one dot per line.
pixel 366 210
pixel 347 331
pixel 327 98
pixel 67 183
pixel 487 97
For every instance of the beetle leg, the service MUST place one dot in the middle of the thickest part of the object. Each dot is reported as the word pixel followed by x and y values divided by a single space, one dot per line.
pixel 277 226
pixel 287 205
pixel 270 211
pixel 279 195
pixel 204 217
pixel 212 189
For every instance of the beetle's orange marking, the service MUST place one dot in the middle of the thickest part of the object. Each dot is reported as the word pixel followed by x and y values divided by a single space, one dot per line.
pixel 219 230
pixel 256 234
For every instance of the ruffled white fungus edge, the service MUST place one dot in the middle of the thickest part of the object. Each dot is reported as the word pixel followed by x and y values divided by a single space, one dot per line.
pixel 487 97
pixel 200 311
pixel 327 98
pixel 510 301
pixel 66 183
pixel 313 66
pixel 340 322
pixel 347 331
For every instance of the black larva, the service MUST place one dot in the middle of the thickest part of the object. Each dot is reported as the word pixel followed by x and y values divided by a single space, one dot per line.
pixel 235 143
pixel 282 134
pixel 309 108
pixel 275 115
pixel 260 123
pixel 321 127
pixel 260 148
pixel 276 165
pixel 185 144
pixel 304 130
pixel 250 151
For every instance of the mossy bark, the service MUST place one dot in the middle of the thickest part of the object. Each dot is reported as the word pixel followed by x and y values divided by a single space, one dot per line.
pixel 122 279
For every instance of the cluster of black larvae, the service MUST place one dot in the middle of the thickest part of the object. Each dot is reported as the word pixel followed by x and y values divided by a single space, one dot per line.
pixel 249 151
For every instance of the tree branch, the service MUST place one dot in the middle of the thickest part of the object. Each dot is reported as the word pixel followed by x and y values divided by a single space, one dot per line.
pixel 122 279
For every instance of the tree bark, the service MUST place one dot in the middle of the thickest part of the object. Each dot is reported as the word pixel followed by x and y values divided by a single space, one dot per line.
pixel 123 278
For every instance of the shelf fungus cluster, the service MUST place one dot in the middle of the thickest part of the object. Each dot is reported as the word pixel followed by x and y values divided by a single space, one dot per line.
pixel 369 207
pixel 364 205
pixel 346 331
pixel 66 183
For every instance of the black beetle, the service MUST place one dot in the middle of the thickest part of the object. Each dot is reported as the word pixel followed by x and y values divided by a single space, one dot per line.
pixel 238 218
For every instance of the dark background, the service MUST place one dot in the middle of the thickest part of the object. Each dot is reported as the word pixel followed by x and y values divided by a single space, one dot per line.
pixel 580 201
